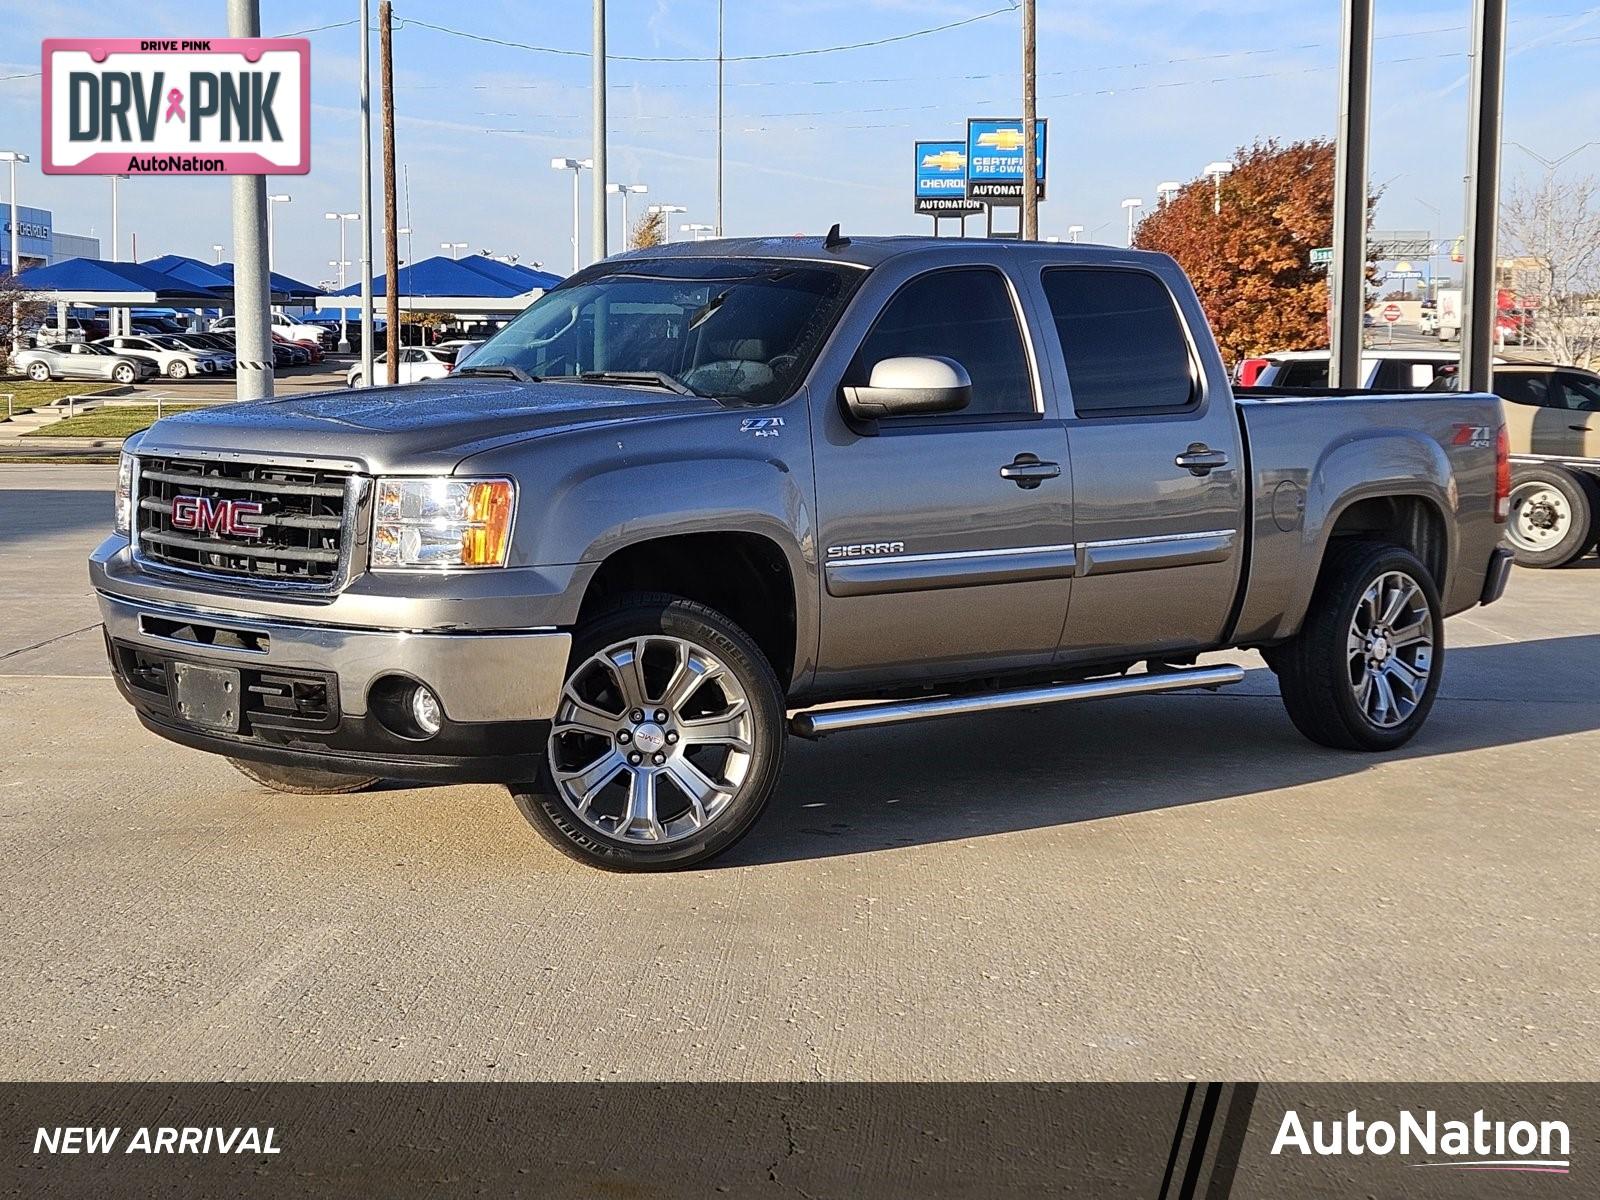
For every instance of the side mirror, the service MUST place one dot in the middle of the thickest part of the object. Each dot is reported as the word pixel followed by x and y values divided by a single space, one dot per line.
pixel 906 386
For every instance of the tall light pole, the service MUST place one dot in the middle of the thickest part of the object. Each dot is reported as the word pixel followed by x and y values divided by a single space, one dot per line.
pixel 216 248
pixel 1485 104
pixel 665 211
pixel 272 245
pixel 720 65
pixel 455 248
pixel 1167 190
pixel 696 232
pixel 1074 232
pixel 344 330
pixel 1132 204
pixel 623 190
pixel 1216 171
pixel 1347 273
pixel 252 287
pixel 577 166
pixel 598 239
pixel 366 195
pixel 116 241
pixel 1030 114
pixel 14 157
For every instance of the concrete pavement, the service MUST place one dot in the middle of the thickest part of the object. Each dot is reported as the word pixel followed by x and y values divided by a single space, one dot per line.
pixel 1145 888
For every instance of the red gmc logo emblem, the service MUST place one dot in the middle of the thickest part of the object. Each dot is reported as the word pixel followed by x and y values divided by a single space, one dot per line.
pixel 202 514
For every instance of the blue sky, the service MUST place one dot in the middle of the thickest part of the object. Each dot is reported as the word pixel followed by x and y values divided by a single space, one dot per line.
pixel 1137 91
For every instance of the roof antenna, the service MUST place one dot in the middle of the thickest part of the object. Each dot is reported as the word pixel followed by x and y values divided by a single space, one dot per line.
pixel 834 240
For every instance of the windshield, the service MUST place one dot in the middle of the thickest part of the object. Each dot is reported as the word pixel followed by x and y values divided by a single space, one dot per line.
pixel 739 329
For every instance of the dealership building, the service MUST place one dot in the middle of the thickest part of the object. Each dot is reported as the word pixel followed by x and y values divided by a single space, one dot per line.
pixel 39 243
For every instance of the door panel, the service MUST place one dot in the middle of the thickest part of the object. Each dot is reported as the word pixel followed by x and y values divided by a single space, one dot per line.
pixel 1159 478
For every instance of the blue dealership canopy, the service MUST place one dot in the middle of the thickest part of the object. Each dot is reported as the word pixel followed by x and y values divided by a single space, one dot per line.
pixel 99 281
pixel 442 283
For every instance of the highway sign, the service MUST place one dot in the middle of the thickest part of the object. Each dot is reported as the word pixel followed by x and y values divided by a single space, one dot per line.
pixel 941 180
pixel 994 159
pixel 1322 256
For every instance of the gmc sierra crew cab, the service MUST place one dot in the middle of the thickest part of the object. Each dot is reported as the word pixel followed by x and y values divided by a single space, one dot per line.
pixel 697 497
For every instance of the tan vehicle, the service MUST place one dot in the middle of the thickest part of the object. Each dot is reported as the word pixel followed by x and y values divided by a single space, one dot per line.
pixel 1553 419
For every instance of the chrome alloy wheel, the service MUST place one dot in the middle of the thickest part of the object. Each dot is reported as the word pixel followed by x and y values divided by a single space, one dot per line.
pixel 652 740
pixel 1540 517
pixel 1390 649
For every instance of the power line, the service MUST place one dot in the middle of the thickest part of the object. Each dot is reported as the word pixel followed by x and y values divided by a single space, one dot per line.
pixel 702 58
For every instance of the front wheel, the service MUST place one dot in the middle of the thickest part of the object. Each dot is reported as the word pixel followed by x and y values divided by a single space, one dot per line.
pixel 178 370
pixel 122 373
pixel 1551 517
pixel 38 372
pixel 667 741
pixel 1364 669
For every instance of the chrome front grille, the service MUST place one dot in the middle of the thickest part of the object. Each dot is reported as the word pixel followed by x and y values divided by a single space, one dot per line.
pixel 305 520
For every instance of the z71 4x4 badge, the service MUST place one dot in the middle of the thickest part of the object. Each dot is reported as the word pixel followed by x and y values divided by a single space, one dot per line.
pixel 761 426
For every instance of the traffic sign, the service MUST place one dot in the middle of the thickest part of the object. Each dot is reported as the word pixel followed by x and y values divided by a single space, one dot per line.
pixel 1391 313
pixel 1322 256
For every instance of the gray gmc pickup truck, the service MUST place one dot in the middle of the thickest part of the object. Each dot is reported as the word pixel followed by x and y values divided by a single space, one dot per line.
pixel 698 496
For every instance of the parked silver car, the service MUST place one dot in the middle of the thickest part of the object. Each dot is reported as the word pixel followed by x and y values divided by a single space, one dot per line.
pixel 82 360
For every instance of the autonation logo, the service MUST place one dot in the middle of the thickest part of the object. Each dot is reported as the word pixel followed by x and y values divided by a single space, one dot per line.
pixel 1476 1145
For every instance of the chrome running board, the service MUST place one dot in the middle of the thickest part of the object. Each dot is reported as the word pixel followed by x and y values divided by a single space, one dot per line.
pixel 815 723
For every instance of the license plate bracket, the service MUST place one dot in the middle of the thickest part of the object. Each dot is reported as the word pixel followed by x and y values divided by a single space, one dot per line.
pixel 207 697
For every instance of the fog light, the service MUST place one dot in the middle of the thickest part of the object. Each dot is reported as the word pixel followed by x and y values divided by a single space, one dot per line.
pixel 425 711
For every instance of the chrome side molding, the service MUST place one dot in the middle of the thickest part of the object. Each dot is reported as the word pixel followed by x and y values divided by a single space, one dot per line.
pixel 816 723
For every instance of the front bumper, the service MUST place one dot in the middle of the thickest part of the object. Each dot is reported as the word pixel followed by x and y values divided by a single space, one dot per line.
pixel 1494 582
pixel 314 695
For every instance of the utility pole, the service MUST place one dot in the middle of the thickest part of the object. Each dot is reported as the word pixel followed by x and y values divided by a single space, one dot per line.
pixel 391 236
pixel 598 220
pixel 366 194
pixel 252 287
pixel 720 66
pixel 1347 274
pixel 1030 117
pixel 13 157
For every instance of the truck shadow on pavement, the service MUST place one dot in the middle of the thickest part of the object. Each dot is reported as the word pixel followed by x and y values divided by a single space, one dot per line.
pixel 1010 772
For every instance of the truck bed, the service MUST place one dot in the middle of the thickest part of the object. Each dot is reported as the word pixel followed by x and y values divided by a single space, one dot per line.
pixel 1308 446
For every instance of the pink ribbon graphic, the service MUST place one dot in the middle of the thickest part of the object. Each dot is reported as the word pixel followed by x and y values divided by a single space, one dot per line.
pixel 175 106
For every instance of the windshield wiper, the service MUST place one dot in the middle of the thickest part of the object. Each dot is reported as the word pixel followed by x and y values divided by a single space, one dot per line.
pixel 658 379
pixel 504 370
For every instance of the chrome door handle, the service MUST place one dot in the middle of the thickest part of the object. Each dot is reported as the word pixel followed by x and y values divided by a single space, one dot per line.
pixel 1200 459
pixel 1027 471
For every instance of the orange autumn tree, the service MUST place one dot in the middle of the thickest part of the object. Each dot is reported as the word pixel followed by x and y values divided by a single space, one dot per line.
pixel 1251 263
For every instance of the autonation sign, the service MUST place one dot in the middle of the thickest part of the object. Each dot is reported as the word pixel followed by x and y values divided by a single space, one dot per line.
pixel 177 106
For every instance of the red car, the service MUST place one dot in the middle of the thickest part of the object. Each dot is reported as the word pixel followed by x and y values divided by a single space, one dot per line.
pixel 310 347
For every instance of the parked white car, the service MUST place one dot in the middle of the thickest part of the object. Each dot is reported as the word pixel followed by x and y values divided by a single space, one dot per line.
pixel 283 324
pixel 1406 370
pixel 172 359
pixel 416 364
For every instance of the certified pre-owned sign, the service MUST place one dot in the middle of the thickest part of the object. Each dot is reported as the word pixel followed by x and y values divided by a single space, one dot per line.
pixel 171 106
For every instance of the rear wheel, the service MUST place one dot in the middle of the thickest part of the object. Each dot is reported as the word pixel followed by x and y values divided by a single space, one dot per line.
pixel 302 781
pixel 1364 669
pixel 1551 519
pixel 667 742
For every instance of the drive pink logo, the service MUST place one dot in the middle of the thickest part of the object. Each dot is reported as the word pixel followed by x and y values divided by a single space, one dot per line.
pixel 177 106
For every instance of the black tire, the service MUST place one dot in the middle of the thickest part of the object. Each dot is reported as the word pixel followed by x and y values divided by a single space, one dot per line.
pixel 1539 533
pixel 1315 670
pixel 178 370
pixel 122 373
pixel 303 781
pixel 652 615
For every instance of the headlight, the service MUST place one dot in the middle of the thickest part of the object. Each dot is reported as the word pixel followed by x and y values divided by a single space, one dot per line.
pixel 124 517
pixel 444 522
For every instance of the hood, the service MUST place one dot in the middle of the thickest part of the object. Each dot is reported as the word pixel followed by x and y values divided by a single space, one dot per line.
pixel 428 426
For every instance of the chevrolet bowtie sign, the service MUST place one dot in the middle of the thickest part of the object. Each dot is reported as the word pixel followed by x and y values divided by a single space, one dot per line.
pixel 177 106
